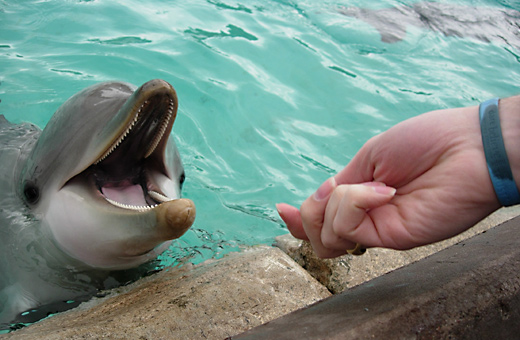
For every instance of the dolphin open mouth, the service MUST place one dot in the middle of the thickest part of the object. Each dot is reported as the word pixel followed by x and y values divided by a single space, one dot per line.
pixel 126 174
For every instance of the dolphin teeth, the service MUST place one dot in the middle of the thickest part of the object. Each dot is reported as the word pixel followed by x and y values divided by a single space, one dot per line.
pixel 122 137
pixel 156 140
pixel 162 129
pixel 159 197
pixel 131 207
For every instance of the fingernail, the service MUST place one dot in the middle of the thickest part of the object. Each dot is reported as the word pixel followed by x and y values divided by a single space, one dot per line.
pixel 374 184
pixel 278 209
pixel 325 189
pixel 384 190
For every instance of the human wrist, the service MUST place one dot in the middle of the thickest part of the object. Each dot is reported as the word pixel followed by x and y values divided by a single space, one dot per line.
pixel 509 113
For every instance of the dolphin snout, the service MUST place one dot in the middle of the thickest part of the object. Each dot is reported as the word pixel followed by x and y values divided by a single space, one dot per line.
pixel 175 217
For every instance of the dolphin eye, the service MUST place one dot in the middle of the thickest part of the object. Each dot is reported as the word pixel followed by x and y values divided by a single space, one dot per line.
pixel 182 178
pixel 31 192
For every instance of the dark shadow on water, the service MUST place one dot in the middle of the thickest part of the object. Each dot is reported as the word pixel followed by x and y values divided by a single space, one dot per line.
pixel 115 279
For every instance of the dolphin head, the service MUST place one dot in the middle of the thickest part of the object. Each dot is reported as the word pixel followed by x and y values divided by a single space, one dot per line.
pixel 104 178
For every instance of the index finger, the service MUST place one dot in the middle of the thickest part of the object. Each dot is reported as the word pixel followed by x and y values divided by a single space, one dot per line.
pixel 312 216
pixel 293 220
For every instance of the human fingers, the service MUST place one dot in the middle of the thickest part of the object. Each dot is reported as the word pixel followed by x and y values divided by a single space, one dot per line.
pixel 312 214
pixel 345 194
pixel 292 218
pixel 347 211
pixel 329 238
pixel 313 205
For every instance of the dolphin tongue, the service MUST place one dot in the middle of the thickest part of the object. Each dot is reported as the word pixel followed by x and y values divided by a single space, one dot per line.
pixel 132 195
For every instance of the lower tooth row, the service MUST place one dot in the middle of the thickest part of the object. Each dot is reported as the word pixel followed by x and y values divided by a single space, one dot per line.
pixel 153 194
pixel 131 207
pixel 158 197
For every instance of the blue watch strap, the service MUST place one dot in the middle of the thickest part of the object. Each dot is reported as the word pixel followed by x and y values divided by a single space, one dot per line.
pixel 496 156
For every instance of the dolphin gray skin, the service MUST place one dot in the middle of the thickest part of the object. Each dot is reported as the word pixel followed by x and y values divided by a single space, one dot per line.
pixel 97 190
pixel 483 23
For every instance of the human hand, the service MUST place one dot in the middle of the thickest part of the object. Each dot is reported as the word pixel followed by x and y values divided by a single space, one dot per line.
pixel 422 181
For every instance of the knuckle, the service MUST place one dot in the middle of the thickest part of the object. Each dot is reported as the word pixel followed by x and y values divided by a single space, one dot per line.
pixel 304 208
pixel 339 228
pixel 308 214
pixel 329 242
pixel 338 192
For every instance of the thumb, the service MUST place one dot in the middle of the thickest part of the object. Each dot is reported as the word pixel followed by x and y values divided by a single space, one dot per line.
pixel 347 212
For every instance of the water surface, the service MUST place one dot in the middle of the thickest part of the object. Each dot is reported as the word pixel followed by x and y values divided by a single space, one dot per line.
pixel 275 96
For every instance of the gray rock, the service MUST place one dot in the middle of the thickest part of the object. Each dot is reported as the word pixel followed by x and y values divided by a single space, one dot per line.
pixel 213 300
pixel 470 290
pixel 225 297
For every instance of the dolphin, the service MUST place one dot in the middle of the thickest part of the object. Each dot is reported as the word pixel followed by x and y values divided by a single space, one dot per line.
pixel 97 191
pixel 482 23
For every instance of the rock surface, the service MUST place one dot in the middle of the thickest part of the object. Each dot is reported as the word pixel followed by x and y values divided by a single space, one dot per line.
pixel 210 301
pixel 225 297
pixel 470 290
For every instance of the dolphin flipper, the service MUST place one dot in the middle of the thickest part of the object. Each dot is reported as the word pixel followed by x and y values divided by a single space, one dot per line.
pixel 391 23
pixel 483 23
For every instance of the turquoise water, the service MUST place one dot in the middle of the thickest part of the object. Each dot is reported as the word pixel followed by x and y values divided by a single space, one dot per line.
pixel 275 96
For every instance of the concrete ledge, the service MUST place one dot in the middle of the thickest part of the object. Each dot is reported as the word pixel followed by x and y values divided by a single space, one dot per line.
pixel 469 290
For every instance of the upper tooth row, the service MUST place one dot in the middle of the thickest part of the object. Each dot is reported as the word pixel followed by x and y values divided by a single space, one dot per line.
pixel 123 136
pixel 161 131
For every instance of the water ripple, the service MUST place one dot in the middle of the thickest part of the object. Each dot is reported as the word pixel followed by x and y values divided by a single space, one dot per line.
pixel 274 96
pixel 121 41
